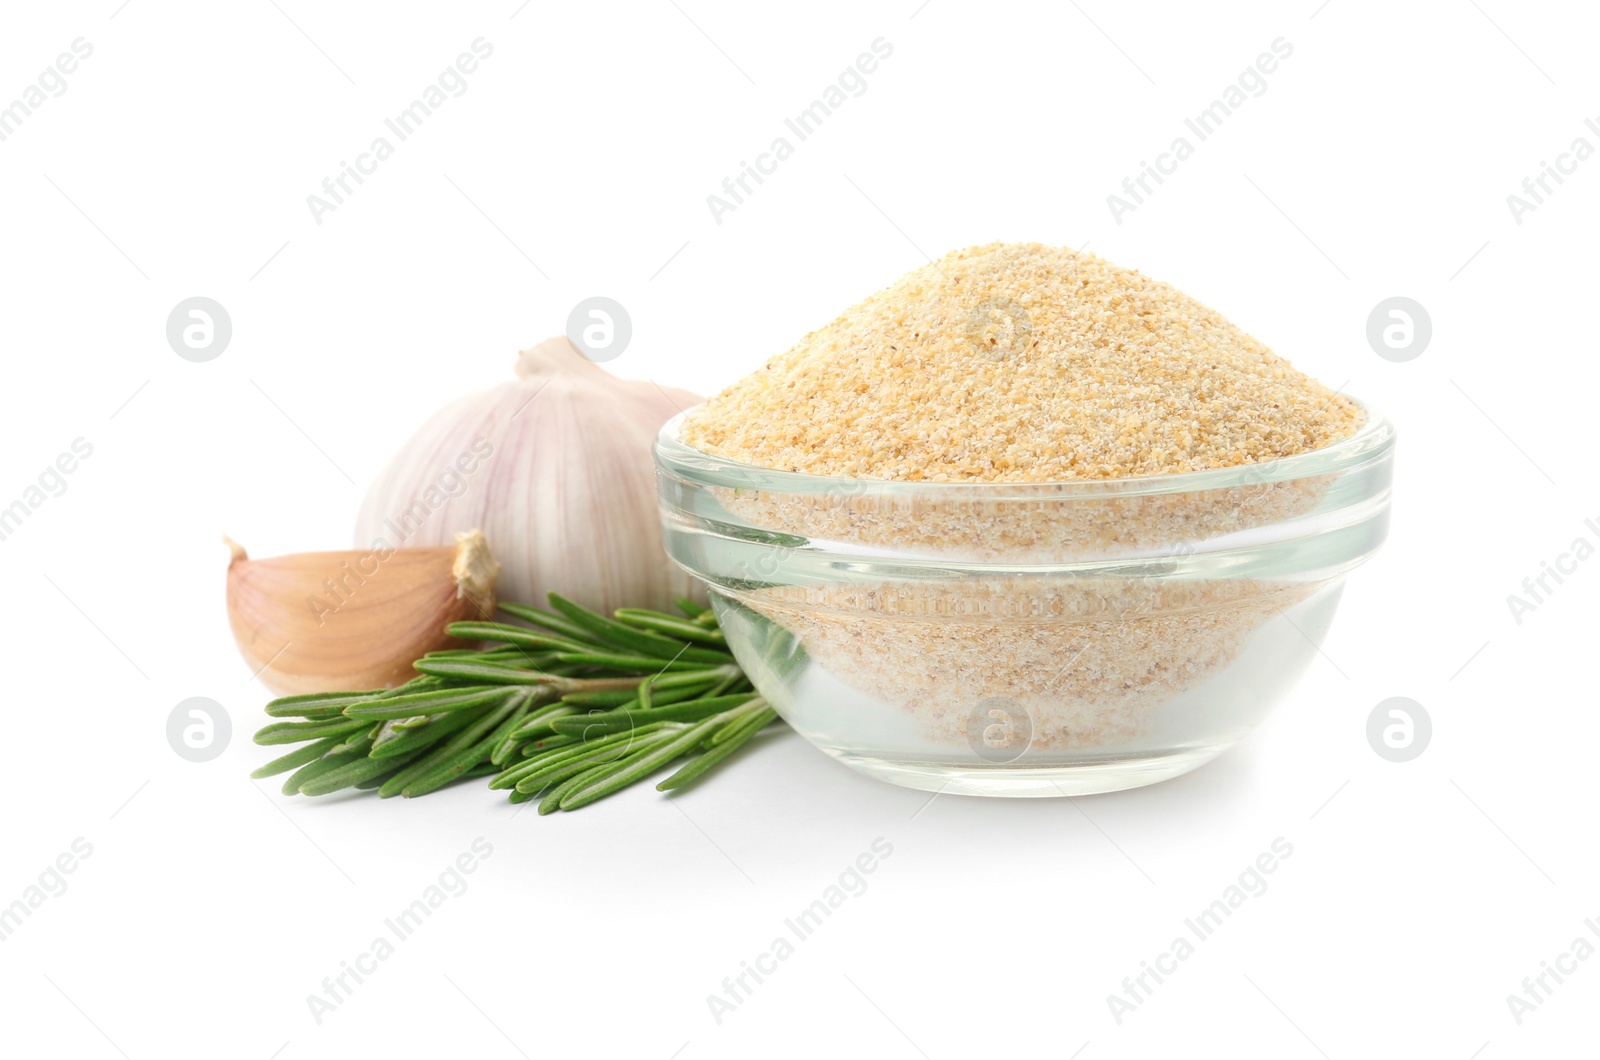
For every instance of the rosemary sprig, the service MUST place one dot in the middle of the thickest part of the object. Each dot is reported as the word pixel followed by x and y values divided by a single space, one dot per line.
pixel 569 711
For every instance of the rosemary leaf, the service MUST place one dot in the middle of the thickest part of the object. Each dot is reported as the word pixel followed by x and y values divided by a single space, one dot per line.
pixel 353 773
pixel 397 741
pixel 612 661
pixel 317 768
pixel 609 780
pixel 547 743
pixel 507 743
pixel 317 704
pixel 622 720
pixel 759 714
pixel 297 758
pixel 481 672
pixel 616 698
pixel 538 723
pixel 673 627
pixel 444 699
pixel 639 642
pixel 738 734
pixel 560 773
pixel 454 766
pixel 295 731
pixel 586 754
pixel 552 802
pixel 554 623
pixel 447 752
pixel 499 631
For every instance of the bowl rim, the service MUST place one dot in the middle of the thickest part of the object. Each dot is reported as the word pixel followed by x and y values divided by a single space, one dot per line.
pixel 1373 440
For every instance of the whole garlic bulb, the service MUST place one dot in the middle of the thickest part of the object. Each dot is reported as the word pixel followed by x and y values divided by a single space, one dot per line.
pixel 555 467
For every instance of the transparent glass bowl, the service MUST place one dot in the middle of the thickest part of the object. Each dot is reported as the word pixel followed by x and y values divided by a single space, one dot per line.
pixel 1027 639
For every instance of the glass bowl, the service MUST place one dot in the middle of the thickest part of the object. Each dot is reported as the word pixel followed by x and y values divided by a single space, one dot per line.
pixel 1030 639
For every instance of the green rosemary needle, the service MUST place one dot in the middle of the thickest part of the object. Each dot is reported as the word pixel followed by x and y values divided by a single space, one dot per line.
pixel 568 709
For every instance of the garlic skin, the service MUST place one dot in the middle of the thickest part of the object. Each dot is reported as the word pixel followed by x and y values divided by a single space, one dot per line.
pixel 555 467
pixel 330 621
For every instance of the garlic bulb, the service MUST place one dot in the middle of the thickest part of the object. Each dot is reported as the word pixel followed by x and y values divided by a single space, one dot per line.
pixel 555 467
pixel 325 621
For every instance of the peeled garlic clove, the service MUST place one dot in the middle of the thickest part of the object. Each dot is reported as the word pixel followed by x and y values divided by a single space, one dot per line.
pixel 556 468
pixel 328 621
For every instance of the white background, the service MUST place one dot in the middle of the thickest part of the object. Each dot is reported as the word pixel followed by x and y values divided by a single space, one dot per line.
pixel 1377 163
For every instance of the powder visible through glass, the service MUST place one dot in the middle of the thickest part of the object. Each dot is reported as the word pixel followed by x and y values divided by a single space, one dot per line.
pixel 1024 363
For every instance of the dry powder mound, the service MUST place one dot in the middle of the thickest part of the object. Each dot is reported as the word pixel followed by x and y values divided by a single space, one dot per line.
pixel 1090 660
pixel 1019 362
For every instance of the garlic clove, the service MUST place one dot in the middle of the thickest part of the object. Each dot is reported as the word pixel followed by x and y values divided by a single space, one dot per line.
pixel 325 621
